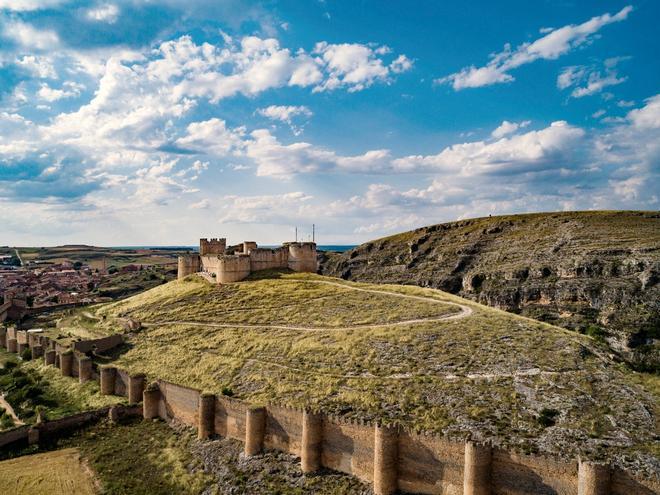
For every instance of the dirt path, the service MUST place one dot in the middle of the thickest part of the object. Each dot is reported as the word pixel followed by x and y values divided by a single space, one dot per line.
pixel 89 315
pixel 465 312
pixel 10 410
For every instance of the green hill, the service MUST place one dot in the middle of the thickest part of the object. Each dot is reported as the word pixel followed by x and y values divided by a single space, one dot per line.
pixel 411 356
pixel 594 272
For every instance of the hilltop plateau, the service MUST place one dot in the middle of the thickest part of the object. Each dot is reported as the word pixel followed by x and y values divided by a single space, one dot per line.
pixel 594 272
pixel 415 357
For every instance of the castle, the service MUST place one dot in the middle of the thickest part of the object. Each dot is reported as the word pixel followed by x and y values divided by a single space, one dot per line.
pixel 234 263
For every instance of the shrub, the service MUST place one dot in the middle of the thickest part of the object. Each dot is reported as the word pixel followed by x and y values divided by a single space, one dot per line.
pixel 227 391
pixel 547 417
pixel 595 332
pixel 6 421
pixel 26 355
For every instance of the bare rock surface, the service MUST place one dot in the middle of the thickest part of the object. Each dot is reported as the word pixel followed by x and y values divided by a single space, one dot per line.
pixel 267 473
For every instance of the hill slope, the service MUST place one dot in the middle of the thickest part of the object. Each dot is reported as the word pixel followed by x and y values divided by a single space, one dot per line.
pixel 595 272
pixel 416 357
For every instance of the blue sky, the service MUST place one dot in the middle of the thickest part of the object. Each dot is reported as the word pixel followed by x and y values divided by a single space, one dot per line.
pixel 157 122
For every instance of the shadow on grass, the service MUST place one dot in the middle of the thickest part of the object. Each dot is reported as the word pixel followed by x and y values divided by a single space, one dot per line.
pixel 272 273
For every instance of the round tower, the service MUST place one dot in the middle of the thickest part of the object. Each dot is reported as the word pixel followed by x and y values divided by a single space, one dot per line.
pixel 302 256
pixel 187 265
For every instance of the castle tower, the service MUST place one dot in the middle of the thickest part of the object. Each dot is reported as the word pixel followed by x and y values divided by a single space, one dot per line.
pixel 187 265
pixel 212 246
pixel 302 256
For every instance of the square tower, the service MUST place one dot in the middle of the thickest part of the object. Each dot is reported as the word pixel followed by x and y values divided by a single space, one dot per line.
pixel 212 246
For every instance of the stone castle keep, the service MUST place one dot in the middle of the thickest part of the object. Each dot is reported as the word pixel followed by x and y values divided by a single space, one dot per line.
pixel 234 263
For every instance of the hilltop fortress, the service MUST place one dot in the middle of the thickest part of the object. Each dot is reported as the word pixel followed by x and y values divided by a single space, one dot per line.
pixel 234 263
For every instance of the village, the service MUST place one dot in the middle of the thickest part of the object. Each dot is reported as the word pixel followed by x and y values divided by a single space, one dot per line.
pixel 31 284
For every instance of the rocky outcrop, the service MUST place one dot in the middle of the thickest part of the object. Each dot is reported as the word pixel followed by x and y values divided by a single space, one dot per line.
pixel 593 272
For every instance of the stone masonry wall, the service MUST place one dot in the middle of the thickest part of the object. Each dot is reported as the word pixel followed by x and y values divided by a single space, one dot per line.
pixel 236 264
pixel 390 458
pixel 425 464
pixel 101 345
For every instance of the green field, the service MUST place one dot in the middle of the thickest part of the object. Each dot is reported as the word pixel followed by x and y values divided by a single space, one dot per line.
pixel 32 387
pixel 98 257
pixel 427 361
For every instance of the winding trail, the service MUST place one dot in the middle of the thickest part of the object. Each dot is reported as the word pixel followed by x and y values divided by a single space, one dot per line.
pixel 465 312
pixel 10 410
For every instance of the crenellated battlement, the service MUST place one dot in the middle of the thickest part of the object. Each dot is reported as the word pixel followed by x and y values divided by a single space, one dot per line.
pixel 234 263
pixel 215 245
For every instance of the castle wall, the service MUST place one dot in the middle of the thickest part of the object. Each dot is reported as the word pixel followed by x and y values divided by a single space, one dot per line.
pixel 233 268
pixel 391 458
pixel 265 259
pixel 518 473
pixel 348 448
pixel 101 345
pixel 230 417
pixel 178 402
pixel 283 429
pixel 121 383
pixel 429 464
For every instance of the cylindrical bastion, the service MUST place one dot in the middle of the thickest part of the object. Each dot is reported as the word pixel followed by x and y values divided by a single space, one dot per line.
pixel 312 439
pixel 593 478
pixel 151 398
pixel 386 456
pixel 135 388
pixel 108 374
pixel 49 357
pixel 206 416
pixel 255 425
pixel 66 362
pixel 476 471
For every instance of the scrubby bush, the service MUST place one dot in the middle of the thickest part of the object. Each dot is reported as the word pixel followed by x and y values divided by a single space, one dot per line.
pixel 26 355
pixel 547 417
pixel 6 421
pixel 24 390
pixel 595 332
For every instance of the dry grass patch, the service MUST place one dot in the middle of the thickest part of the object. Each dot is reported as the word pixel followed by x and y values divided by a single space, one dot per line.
pixel 289 300
pixel 55 473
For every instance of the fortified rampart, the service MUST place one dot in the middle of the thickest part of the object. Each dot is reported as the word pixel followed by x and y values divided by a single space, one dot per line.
pixel 237 262
pixel 391 458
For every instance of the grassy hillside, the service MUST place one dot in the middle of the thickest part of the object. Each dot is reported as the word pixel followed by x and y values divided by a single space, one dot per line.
pixel 416 357
pixel 594 272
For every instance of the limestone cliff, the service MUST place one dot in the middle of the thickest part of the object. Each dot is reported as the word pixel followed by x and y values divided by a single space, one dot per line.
pixel 594 272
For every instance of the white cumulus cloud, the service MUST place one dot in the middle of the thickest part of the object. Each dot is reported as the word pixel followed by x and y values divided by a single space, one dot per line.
pixel 554 44
pixel 104 13
pixel 507 127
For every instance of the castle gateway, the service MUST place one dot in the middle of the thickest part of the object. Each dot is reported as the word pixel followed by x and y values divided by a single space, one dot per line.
pixel 234 263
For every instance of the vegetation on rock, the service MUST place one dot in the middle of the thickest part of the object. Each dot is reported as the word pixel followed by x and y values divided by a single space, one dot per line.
pixel 594 272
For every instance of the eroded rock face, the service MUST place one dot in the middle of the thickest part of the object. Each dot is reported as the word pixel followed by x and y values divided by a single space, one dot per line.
pixel 594 272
